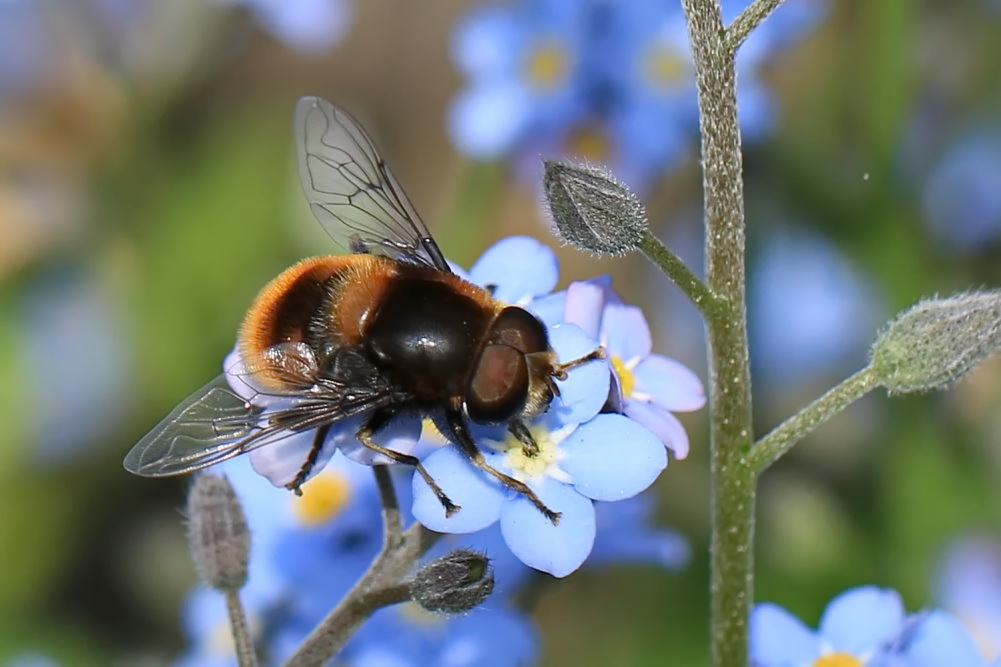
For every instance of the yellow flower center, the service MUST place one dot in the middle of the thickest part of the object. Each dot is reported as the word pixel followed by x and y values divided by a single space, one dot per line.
pixel 525 464
pixel 626 379
pixel 665 68
pixel 431 434
pixel 589 144
pixel 547 65
pixel 323 497
pixel 837 660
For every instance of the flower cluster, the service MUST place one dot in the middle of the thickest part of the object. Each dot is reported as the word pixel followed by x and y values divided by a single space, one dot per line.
pixel 307 551
pixel 304 25
pixel 863 626
pixel 606 81
pixel 605 438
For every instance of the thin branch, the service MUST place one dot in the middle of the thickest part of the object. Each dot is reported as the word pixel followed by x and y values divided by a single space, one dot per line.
pixel 748 20
pixel 770 448
pixel 245 654
pixel 680 274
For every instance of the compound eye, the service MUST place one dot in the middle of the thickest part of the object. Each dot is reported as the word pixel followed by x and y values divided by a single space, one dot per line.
pixel 499 387
pixel 520 329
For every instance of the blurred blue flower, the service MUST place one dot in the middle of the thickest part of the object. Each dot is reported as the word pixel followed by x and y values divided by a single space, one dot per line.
pixel 969 587
pixel 961 199
pixel 625 535
pixel 936 638
pixel 304 25
pixel 857 626
pixel 810 311
pixel 862 626
pixel 523 62
pixel 70 339
pixel 607 81
pixel 407 636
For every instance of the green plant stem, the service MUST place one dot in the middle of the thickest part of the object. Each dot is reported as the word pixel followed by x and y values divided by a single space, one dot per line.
pixel 733 482
pixel 748 20
pixel 245 654
pixel 771 447
pixel 679 273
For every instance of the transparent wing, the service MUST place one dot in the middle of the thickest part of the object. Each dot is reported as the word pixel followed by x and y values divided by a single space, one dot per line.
pixel 352 192
pixel 215 424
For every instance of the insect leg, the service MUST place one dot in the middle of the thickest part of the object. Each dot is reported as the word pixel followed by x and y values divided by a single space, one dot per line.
pixel 364 436
pixel 460 434
pixel 520 430
pixel 295 486
pixel 560 371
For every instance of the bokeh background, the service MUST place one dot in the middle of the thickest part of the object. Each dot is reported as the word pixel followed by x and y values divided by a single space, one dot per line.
pixel 147 191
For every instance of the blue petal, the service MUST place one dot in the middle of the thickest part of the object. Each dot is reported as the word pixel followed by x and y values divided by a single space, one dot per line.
pixel 669 384
pixel 940 639
pixel 626 535
pixel 560 549
pixel 662 424
pixel 550 308
pixel 778 638
pixel 626 332
pixel 861 619
pixel 584 304
pixel 492 637
pixel 305 25
pixel 612 457
pixel 479 498
pixel 520 267
pixel 281 461
pixel 401 434
pixel 486 120
pixel 487 43
pixel 585 390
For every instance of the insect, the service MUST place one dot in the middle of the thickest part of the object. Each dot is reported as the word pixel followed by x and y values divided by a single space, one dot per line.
pixel 385 331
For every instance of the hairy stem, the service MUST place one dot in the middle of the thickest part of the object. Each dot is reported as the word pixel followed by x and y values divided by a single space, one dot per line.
pixel 245 654
pixel 680 274
pixel 733 491
pixel 381 585
pixel 770 448
pixel 748 20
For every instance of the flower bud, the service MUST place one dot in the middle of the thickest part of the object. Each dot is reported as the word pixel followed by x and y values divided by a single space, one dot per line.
pixel 217 533
pixel 455 583
pixel 937 341
pixel 592 210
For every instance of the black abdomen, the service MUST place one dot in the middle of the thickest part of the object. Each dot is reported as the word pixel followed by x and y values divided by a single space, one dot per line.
pixel 425 336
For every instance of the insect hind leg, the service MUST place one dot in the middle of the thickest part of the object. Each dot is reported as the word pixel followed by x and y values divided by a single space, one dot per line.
pixel 364 436
pixel 295 486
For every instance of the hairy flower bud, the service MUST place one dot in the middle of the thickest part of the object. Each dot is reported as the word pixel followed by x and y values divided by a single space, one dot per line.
pixel 455 583
pixel 592 210
pixel 217 533
pixel 937 341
